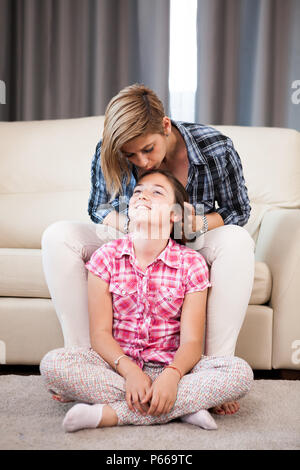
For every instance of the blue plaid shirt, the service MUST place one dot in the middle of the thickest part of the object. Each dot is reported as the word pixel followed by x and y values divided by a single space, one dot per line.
pixel 215 176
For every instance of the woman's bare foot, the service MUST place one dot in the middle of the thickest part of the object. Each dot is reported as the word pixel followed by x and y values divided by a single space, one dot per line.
pixel 228 408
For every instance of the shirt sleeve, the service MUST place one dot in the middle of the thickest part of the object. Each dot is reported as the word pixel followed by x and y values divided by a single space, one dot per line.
pixel 100 264
pixel 100 203
pixel 197 274
pixel 232 194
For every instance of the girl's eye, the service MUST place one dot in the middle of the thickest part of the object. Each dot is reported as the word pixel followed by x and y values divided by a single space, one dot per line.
pixel 149 150
pixel 158 192
pixel 136 191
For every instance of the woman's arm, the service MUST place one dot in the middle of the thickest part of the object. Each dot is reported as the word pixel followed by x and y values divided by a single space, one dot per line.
pixel 232 193
pixel 100 322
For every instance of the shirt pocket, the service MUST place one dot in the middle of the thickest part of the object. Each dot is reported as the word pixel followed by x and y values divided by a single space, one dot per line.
pixel 124 299
pixel 169 301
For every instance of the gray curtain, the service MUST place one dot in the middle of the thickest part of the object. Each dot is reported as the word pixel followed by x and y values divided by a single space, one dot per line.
pixel 68 58
pixel 248 59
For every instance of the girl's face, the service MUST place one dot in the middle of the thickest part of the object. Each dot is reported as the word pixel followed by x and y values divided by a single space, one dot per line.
pixel 148 151
pixel 152 204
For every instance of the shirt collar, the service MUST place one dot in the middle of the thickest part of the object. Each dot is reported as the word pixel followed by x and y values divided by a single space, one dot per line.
pixel 170 255
pixel 194 153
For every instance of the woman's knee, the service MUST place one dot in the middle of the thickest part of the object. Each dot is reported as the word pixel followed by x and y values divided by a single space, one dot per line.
pixel 79 237
pixel 58 232
pixel 236 236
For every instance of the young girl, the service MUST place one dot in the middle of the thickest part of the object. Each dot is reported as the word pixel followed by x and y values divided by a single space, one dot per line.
pixel 147 304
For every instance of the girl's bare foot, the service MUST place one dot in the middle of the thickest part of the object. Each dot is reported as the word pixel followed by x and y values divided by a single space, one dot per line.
pixel 228 408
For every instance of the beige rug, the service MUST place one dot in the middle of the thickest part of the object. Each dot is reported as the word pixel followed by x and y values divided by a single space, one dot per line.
pixel 269 418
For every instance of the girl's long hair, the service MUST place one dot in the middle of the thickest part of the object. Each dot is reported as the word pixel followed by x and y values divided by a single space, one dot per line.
pixel 134 111
pixel 180 196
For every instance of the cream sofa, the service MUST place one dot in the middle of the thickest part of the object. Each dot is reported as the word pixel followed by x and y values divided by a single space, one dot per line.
pixel 45 177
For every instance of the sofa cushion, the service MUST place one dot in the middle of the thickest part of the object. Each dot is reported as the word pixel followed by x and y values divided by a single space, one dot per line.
pixel 29 329
pixel 254 343
pixel 262 285
pixel 21 273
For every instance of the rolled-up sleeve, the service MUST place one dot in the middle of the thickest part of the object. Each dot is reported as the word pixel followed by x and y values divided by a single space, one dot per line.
pixel 232 193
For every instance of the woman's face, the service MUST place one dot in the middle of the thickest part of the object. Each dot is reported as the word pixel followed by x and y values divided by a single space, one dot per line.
pixel 147 151
pixel 152 204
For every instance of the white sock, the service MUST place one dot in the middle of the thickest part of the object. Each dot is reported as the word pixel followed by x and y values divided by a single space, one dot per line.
pixel 82 416
pixel 201 418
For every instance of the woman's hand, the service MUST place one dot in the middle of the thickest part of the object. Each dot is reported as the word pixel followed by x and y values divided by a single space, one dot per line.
pixel 163 393
pixel 137 386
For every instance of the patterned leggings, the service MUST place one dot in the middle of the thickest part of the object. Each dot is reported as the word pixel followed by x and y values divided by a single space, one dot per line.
pixel 80 374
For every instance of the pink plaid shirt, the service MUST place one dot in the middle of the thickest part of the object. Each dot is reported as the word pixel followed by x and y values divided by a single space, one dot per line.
pixel 147 305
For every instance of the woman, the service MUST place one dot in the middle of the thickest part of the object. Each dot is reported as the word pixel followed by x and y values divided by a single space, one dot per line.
pixel 147 307
pixel 138 136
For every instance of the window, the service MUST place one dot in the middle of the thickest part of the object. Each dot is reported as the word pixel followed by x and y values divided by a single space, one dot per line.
pixel 183 59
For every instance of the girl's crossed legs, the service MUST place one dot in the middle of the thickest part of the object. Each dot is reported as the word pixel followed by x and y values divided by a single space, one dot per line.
pixel 80 374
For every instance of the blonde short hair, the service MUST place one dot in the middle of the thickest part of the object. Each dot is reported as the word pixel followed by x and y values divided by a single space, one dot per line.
pixel 134 111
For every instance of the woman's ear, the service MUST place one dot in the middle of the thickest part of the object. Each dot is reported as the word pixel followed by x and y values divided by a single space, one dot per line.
pixel 167 125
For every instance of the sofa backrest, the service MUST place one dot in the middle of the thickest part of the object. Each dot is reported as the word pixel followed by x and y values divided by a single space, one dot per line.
pixel 45 173
pixel 271 165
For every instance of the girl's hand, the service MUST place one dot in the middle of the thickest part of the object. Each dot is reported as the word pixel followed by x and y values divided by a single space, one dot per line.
pixel 163 393
pixel 137 385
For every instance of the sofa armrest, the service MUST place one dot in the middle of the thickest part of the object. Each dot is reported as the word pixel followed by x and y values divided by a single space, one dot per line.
pixel 278 245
